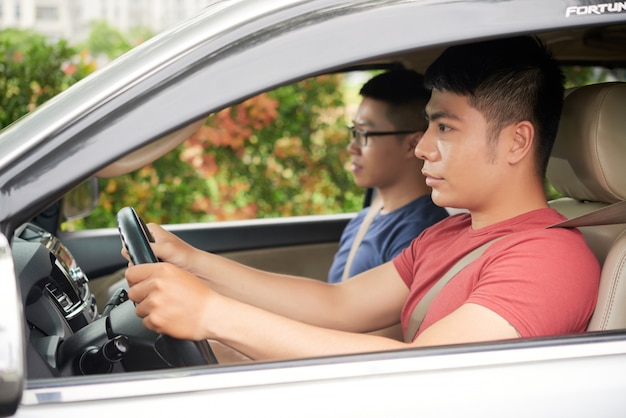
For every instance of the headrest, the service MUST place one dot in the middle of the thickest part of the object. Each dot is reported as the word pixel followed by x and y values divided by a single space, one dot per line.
pixel 588 161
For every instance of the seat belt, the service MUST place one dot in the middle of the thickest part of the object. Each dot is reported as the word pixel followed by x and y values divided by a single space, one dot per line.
pixel 608 215
pixel 419 312
pixel 375 207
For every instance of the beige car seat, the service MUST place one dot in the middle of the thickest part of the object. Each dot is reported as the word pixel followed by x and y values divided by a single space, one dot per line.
pixel 588 167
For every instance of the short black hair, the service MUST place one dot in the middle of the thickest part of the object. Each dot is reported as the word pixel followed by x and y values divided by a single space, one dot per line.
pixel 508 80
pixel 404 91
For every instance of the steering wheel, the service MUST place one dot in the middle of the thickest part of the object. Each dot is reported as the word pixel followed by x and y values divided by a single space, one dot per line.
pixel 175 352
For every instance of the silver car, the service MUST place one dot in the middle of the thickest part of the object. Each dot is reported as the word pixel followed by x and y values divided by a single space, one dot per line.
pixel 145 103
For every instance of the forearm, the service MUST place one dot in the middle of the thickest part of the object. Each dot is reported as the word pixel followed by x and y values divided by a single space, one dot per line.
pixel 306 300
pixel 245 328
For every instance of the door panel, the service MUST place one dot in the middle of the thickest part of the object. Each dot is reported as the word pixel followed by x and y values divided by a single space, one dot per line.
pixel 313 260
pixel 302 245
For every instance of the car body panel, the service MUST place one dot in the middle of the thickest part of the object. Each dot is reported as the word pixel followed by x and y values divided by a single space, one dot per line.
pixel 232 51
pixel 11 336
pixel 484 384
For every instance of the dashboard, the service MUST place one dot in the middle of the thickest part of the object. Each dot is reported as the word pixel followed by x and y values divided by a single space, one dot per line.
pixel 67 335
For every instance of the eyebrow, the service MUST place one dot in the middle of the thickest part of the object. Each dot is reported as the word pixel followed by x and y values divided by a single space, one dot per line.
pixel 439 114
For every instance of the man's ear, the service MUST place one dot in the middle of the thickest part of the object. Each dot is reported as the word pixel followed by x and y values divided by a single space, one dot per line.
pixel 522 140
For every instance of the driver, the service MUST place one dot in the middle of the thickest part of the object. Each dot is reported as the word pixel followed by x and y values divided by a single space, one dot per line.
pixel 492 116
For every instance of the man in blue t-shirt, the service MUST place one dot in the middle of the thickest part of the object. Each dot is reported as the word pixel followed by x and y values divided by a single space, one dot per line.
pixel 386 128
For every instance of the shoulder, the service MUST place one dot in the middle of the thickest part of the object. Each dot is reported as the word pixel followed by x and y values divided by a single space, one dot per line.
pixel 540 236
pixel 359 217
pixel 529 242
pixel 545 249
pixel 353 225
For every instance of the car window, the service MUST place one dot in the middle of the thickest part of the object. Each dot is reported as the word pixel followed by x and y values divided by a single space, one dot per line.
pixel 576 75
pixel 280 153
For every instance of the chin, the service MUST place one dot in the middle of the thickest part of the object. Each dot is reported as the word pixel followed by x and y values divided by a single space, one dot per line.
pixel 445 201
pixel 438 199
pixel 362 183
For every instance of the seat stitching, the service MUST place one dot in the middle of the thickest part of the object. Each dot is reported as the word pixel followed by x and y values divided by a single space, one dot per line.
pixel 613 291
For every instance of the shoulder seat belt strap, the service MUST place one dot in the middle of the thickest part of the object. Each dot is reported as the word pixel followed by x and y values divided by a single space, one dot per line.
pixel 608 215
pixel 418 314
pixel 375 206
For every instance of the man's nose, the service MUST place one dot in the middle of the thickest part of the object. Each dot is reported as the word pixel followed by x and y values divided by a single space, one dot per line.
pixel 425 146
pixel 353 147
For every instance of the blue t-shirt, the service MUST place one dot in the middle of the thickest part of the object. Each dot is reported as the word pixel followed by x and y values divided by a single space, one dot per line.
pixel 387 235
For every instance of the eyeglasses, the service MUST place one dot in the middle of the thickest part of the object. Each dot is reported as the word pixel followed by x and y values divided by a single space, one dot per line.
pixel 360 137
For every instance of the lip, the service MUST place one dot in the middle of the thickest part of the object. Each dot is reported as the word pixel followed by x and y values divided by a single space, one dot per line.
pixel 354 167
pixel 431 180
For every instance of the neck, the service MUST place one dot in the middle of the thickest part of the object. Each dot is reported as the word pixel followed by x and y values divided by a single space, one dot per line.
pixel 509 205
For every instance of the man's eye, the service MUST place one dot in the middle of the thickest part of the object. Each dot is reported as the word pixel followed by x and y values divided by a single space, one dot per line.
pixel 443 128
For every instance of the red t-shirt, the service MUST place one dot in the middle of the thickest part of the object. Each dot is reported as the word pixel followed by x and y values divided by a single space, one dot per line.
pixel 542 281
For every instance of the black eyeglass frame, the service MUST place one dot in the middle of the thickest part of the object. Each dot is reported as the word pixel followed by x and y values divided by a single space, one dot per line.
pixel 356 134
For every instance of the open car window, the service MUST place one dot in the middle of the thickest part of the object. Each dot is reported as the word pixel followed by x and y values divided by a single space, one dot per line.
pixel 280 153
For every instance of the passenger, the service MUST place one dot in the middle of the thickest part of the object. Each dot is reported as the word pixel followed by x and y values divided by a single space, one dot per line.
pixel 493 115
pixel 387 126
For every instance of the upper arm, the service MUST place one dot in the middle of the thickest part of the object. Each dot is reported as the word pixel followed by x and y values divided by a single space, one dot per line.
pixel 469 323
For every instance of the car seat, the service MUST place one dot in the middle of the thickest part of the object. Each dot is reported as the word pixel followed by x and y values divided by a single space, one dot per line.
pixel 588 167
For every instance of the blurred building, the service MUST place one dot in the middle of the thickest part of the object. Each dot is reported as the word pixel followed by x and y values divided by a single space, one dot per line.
pixel 71 19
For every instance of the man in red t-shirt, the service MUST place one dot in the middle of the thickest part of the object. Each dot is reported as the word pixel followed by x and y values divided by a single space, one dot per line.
pixel 493 116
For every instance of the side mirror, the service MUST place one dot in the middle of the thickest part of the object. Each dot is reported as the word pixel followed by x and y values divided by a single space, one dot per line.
pixel 11 336
pixel 81 200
